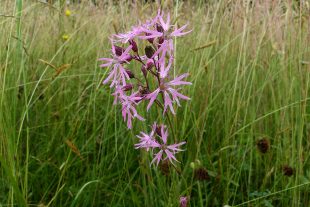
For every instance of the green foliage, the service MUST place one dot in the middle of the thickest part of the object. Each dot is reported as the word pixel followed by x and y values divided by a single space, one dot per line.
pixel 64 143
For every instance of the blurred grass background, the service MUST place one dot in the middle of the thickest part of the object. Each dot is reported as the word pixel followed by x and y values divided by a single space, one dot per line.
pixel 63 143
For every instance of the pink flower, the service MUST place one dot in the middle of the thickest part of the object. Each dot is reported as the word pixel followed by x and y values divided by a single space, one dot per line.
pixel 118 73
pixel 165 50
pixel 165 151
pixel 125 37
pixel 147 141
pixel 128 105
pixel 183 201
pixel 171 94
pixel 163 29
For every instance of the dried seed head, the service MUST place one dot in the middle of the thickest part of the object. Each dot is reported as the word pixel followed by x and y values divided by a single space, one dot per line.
pixel 263 145
pixel 288 171
pixel 149 51
pixel 201 174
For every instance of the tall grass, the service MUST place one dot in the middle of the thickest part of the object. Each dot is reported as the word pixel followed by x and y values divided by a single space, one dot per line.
pixel 63 142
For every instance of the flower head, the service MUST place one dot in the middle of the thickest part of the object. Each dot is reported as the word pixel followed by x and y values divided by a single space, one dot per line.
pixel 171 94
pixel 118 74
pixel 157 141
pixel 128 105
pixel 183 201
pixel 68 12
pixel 65 37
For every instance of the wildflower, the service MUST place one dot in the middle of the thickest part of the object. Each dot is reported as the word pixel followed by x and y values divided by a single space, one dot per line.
pixel 128 105
pixel 164 50
pixel 147 141
pixel 171 95
pixel 162 29
pixel 68 12
pixel 157 60
pixel 118 74
pixel 165 151
pixel 183 201
pixel 65 37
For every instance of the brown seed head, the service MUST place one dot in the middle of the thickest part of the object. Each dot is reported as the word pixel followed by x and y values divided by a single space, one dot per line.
pixel 288 171
pixel 201 174
pixel 263 145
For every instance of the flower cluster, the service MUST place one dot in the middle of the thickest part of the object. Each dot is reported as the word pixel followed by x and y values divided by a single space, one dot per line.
pixel 157 141
pixel 151 82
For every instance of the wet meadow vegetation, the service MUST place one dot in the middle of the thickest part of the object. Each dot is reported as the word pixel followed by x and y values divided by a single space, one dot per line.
pixel 246 126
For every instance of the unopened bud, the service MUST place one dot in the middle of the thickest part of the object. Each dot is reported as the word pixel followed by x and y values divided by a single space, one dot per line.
pixel 159 28
pixel 149 65
pixel 130 74
pixel 161 40
pixel 129 58
pixel 118 50
pixel 144 71
pixel 149 51
pixel 158 130
pixel 128 87
pixel 143 91
pixel 134 45
pixel 151 40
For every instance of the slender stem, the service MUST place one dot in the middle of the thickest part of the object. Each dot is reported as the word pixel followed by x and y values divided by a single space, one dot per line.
pixel 165 113
pixel 171 127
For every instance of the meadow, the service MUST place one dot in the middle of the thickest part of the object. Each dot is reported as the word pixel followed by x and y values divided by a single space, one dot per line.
pixel 247 125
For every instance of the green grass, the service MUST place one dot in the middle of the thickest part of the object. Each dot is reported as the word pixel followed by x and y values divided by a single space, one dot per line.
pixel 252 83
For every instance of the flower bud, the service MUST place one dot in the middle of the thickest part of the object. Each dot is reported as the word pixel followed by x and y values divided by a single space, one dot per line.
pixel 143 91
pixel 192 165
pixel 129 58
pixel 118 50
pixel 149 51
pixel 198 162
pixel 130 74
pixel 128 87
pixel 159 28
pixel 134 45
pixel 151 40
pixel 158 130
pixel 144 71
pixel 161 40
pixel 149 65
